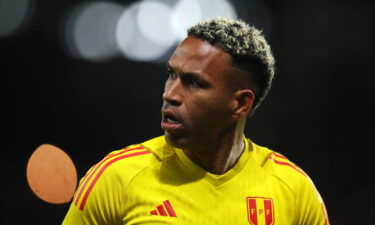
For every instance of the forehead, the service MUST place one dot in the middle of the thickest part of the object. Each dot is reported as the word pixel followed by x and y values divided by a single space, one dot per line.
pixel 198 56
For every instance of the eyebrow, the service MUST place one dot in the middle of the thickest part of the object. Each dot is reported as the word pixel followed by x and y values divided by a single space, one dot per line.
pixel 190 74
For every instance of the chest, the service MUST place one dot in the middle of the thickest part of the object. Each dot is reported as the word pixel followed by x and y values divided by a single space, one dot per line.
pixel 240 201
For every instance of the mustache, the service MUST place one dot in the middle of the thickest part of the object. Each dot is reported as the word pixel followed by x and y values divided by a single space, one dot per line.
pixel 167 110
pixel 166 106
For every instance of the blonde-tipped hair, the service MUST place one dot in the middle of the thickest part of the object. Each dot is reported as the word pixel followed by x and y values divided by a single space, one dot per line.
pixel 247 46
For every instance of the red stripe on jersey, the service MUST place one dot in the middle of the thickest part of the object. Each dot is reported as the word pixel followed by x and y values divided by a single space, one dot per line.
pixel 84 183
pixel 280 156
pixel 84 199
pixel 83 179
pixel 96 168
pixel 169 208
pixel 288 164
pixel 126 149
pixel 268 208
pixel 153 212
pixel 161 210
pixel 252 211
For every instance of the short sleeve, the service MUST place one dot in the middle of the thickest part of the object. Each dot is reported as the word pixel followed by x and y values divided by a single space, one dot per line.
pixel 97 199
pixel 309 205
pixel 100 197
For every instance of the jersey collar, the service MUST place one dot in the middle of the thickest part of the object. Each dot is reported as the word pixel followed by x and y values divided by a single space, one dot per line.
pixel 163 151
pixel 214 179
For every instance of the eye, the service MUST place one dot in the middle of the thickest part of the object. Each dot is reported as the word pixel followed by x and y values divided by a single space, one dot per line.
pixel 192 82
pixel 171 75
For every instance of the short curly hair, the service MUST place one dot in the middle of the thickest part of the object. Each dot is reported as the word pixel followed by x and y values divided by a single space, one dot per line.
pixel 249 50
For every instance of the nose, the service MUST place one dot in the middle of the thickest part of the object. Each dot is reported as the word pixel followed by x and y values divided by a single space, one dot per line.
pixel 172 92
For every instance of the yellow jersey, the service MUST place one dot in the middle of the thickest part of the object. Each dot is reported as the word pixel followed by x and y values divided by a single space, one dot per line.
pixel 154 183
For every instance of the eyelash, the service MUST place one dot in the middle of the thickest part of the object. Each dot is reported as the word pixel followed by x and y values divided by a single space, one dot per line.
pixel 188 81
pixel 171 75
pixel 192 82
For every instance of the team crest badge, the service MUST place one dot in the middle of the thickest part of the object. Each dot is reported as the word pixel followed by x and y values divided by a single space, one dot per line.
pixel 260 211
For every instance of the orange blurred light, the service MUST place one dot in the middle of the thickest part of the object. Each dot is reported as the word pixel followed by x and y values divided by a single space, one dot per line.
pixel 51 174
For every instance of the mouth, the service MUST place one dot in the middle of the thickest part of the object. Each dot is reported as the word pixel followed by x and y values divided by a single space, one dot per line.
pixel 170 122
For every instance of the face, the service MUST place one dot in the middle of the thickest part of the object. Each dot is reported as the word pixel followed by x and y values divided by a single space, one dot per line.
pixel 197 102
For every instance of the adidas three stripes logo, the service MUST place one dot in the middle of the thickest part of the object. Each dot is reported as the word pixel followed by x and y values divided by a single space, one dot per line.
pixel 164 209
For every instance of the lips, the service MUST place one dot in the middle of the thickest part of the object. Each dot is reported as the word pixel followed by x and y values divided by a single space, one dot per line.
pixel 170 121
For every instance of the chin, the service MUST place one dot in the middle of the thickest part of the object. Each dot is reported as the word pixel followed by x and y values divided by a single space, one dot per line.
pixel 176 141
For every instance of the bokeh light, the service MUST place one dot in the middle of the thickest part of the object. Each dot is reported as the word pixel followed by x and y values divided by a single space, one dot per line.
pixel 132 41
pixel 214 8
pixel 189 12
pixel 13 14
pixel 143 31
pixel 185 14
pixel 153 19
pixel 89 30
pixel 51 174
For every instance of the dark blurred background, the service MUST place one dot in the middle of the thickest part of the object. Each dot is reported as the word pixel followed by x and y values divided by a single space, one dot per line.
pixel 318 112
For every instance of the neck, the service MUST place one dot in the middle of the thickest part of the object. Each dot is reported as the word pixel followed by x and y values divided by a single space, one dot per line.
pixel 221 156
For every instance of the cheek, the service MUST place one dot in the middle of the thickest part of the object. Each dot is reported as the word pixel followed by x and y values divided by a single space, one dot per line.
pixel 209 111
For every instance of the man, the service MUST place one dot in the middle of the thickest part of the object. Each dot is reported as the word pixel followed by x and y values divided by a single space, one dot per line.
pixel 203 171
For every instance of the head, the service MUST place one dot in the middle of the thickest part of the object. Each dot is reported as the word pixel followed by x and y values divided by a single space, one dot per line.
pixel 217 76
pixel 249 50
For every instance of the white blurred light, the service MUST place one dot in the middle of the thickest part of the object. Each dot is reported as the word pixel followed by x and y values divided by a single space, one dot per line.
pixel 186 13
pixel 154 22
pixel 13 14
pixel 132 41
pixel 90 30
pixel 144 31
pixel 214 8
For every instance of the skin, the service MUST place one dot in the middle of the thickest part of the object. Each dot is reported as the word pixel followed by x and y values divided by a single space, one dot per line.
pixel 210 113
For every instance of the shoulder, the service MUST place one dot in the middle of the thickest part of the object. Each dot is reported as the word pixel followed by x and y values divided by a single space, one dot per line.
pixel 115 171
pixel 280 167
pixel 310 208
pixel 134 158
pixel 100 196
pixel 126 163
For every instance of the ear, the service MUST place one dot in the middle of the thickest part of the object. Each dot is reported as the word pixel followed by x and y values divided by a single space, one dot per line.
pixel 242 104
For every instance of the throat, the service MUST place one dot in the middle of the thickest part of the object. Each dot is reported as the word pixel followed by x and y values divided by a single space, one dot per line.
pixel 218 159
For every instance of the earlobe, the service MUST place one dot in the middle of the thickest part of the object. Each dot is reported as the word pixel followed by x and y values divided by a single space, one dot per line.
pixel 244 102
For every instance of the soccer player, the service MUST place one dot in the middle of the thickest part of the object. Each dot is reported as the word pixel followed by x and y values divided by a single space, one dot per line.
pixel 203 170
